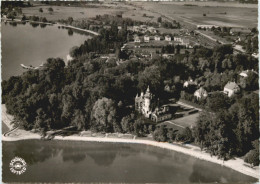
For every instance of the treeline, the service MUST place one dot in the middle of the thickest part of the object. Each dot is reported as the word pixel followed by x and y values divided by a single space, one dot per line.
pixel 163 134
pixel 228 129
pixel 13 9
pixel 107 42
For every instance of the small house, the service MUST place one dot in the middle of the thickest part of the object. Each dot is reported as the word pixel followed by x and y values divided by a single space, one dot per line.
pixel 137 39
pixel 178 39
pixel 146 38
pixel 168 38
pixel 157 38
pixel 201 93
pixel 151 29
pixel 231 88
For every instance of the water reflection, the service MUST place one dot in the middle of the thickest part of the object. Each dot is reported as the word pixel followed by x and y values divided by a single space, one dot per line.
pixel 14 24
pixel 70 32
pixel 43 25
pixel 84 161
pixel 34 25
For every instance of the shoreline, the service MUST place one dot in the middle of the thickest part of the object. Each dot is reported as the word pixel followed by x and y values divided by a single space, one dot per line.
pixel 57 24
pixel 236 164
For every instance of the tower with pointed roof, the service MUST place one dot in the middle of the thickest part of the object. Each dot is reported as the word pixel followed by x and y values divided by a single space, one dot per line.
pixel 147 102
pixel 143 103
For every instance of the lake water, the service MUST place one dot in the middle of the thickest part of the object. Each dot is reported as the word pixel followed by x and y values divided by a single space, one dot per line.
pixel 33 44
pixel 70 161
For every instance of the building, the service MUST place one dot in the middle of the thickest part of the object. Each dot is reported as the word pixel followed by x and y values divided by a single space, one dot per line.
pixel 189 82
pixel 146 38
pixel 239 30
pixel 185 42
pixel 231 88
pixel 167 55
pixel 137 39
pixel 201 93
pixel 245 73
pixel 206 26
pixel 178 39
pixel 157 38
pixel 143 105
pixel 161 114
pixel 255 55
pixel 151 29
pixel 143 102
pixel 136 28
pixel 168 38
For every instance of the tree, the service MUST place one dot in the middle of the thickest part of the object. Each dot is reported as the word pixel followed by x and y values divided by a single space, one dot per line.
pixel 104 115
pixel 70 20
pixel 79 119
pixel 159 19
pixel 50 10
pixel 74 51
pixel 23 18
pixel 187 135
pixel 40 10
pixel 252 157
pixel 127 123
pixel 217 102
pixel 160 134
pixel 252 81
pixel 150 77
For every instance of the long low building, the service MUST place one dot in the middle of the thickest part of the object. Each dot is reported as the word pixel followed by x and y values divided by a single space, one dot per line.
pixel 206 26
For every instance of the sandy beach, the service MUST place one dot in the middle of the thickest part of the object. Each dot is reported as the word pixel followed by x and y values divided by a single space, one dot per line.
pixel 194 151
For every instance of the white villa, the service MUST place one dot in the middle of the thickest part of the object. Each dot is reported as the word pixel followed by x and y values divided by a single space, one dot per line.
pixel 231 88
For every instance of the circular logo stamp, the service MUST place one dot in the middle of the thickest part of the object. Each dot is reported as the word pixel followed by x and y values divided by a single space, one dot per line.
pixel 17 165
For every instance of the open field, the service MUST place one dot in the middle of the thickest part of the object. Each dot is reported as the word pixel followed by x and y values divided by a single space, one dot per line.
pixel 86 11
pixel 63 12
pixel 218 15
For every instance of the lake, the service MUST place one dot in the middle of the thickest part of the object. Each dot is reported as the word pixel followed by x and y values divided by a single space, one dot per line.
pixel 32 44
pixel 71 161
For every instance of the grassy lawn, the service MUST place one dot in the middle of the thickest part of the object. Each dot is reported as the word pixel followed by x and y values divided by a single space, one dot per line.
pixel 187 121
